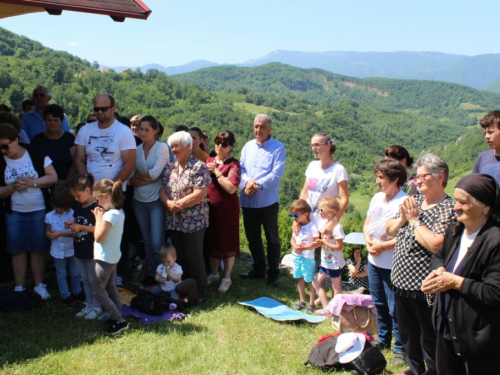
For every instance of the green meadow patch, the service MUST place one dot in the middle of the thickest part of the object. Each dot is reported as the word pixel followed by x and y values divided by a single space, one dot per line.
pixel 217 337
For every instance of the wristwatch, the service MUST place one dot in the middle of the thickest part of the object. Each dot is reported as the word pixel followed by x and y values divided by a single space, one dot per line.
pixel 416 224
pixel 34 183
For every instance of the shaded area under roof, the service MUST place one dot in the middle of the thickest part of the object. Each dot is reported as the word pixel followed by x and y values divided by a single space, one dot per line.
pixel 118 10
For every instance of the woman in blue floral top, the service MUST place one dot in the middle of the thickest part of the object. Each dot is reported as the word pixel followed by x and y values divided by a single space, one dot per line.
pixel 184 194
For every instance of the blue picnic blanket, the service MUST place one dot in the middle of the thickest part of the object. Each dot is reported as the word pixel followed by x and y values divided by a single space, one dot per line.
pixel 277 311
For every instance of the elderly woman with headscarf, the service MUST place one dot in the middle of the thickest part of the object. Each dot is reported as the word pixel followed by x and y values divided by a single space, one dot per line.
pixel 184 194
pixel 466 278
pixel 419 228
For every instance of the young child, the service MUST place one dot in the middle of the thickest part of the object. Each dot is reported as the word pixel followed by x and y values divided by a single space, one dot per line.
pixel 332 261
pixel 303 245
pixel 169 275
pixel 82 226
pixel 109 219
pixel 61 246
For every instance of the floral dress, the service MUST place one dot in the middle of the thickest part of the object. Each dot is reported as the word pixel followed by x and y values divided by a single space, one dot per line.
pixel 177 185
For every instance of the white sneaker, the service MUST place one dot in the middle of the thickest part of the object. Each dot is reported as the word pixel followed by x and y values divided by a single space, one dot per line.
pixel 94 313
pixel 84 311
pixel 42 291
pixel 19 288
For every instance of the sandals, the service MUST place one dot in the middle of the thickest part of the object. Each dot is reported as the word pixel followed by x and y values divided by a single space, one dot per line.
pixel 211 278
pixel 324 312
pixel 309 309
pixel 224 285
pixel 299 305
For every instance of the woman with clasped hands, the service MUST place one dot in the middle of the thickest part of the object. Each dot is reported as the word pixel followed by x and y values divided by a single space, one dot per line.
pixel 184 194
pixel 466 278
pixel 419 228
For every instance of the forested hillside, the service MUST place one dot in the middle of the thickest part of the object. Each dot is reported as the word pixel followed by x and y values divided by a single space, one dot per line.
pixel 436 99
pixel 363 115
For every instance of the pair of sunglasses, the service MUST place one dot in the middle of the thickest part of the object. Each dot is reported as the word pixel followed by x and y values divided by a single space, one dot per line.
pixel 102 109
pixel 295 216
pixel 5 146
pixel 221 143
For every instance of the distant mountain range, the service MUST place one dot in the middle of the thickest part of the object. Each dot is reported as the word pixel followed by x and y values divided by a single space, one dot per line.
pixel 475 71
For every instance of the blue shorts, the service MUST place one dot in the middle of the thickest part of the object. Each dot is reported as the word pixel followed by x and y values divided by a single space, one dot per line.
pixel 303 268
pixel 332 274
pixel 26 232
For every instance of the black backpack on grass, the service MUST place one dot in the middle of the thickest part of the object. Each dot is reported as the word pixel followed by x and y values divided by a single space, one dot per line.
pixel 10 301
pixel 147 303
pixel 323 355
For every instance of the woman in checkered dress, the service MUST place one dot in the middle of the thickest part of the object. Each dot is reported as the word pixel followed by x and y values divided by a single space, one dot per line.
pixel 419 228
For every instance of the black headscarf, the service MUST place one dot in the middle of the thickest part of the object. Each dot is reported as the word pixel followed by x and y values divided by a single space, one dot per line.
pixel 484 188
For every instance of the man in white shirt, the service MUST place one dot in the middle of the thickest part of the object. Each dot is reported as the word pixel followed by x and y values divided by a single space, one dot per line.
pixel 105 148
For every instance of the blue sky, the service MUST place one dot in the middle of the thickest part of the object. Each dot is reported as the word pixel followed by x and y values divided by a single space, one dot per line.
pixel 224 31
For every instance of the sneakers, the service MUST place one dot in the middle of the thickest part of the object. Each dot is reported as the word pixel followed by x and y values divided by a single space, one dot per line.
pixel 119 281
pixel 211 278
pixel 115 327
pixel 70 302
pixel 94 313
pixel 19 288
pixel 399 359
pixel 82 313
pixel 42 291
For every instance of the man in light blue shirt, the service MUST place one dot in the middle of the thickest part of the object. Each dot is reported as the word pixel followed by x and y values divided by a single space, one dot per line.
pixel 33 122
pixel 262 166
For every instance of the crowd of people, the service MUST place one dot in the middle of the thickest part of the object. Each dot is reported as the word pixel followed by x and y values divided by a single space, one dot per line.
pixel 431 261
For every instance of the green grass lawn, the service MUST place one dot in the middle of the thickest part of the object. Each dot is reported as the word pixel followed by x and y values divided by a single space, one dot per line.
pixel 217 337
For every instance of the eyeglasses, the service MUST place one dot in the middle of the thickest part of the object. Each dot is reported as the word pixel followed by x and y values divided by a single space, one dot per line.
pixel 296 216
pixel 222 143
pixel 39 95
pixel 102 109
pixel 316 145
pixel 5 146
pixel 422 176
pixel 394 155
pixel 321 210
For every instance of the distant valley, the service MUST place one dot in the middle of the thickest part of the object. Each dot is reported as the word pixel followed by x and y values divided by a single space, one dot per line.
pixel 481 72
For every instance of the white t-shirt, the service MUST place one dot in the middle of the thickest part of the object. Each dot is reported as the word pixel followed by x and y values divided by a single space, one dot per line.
pixel 306 237
pixel 31 199
pixel 109 250
pixel 103 148
pixel 379 212
pixel 61 247
pixel 170 285
pixel 332 259
pixel 322 183
pixel 466 241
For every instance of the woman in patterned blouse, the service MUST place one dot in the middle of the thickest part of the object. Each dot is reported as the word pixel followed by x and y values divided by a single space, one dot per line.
pixel 184 194
pixel 419 228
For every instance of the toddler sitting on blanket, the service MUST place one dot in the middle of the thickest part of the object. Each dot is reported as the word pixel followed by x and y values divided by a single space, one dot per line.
pixel 169 275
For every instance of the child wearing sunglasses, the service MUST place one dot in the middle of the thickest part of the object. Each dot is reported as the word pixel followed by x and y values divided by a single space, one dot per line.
pixel 332 261
pixel 303 245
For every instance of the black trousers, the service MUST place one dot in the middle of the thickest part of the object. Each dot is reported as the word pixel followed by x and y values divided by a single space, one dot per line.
pixel 448 363
pixel 254 219
pixel 417 334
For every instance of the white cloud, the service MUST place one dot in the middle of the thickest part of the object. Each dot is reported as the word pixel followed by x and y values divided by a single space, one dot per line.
pixel 73 44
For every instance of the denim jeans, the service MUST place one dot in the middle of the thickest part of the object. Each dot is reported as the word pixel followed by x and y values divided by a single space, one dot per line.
pixel 151 219
pixel 62 266
pixel 385 303
pixel 87 273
